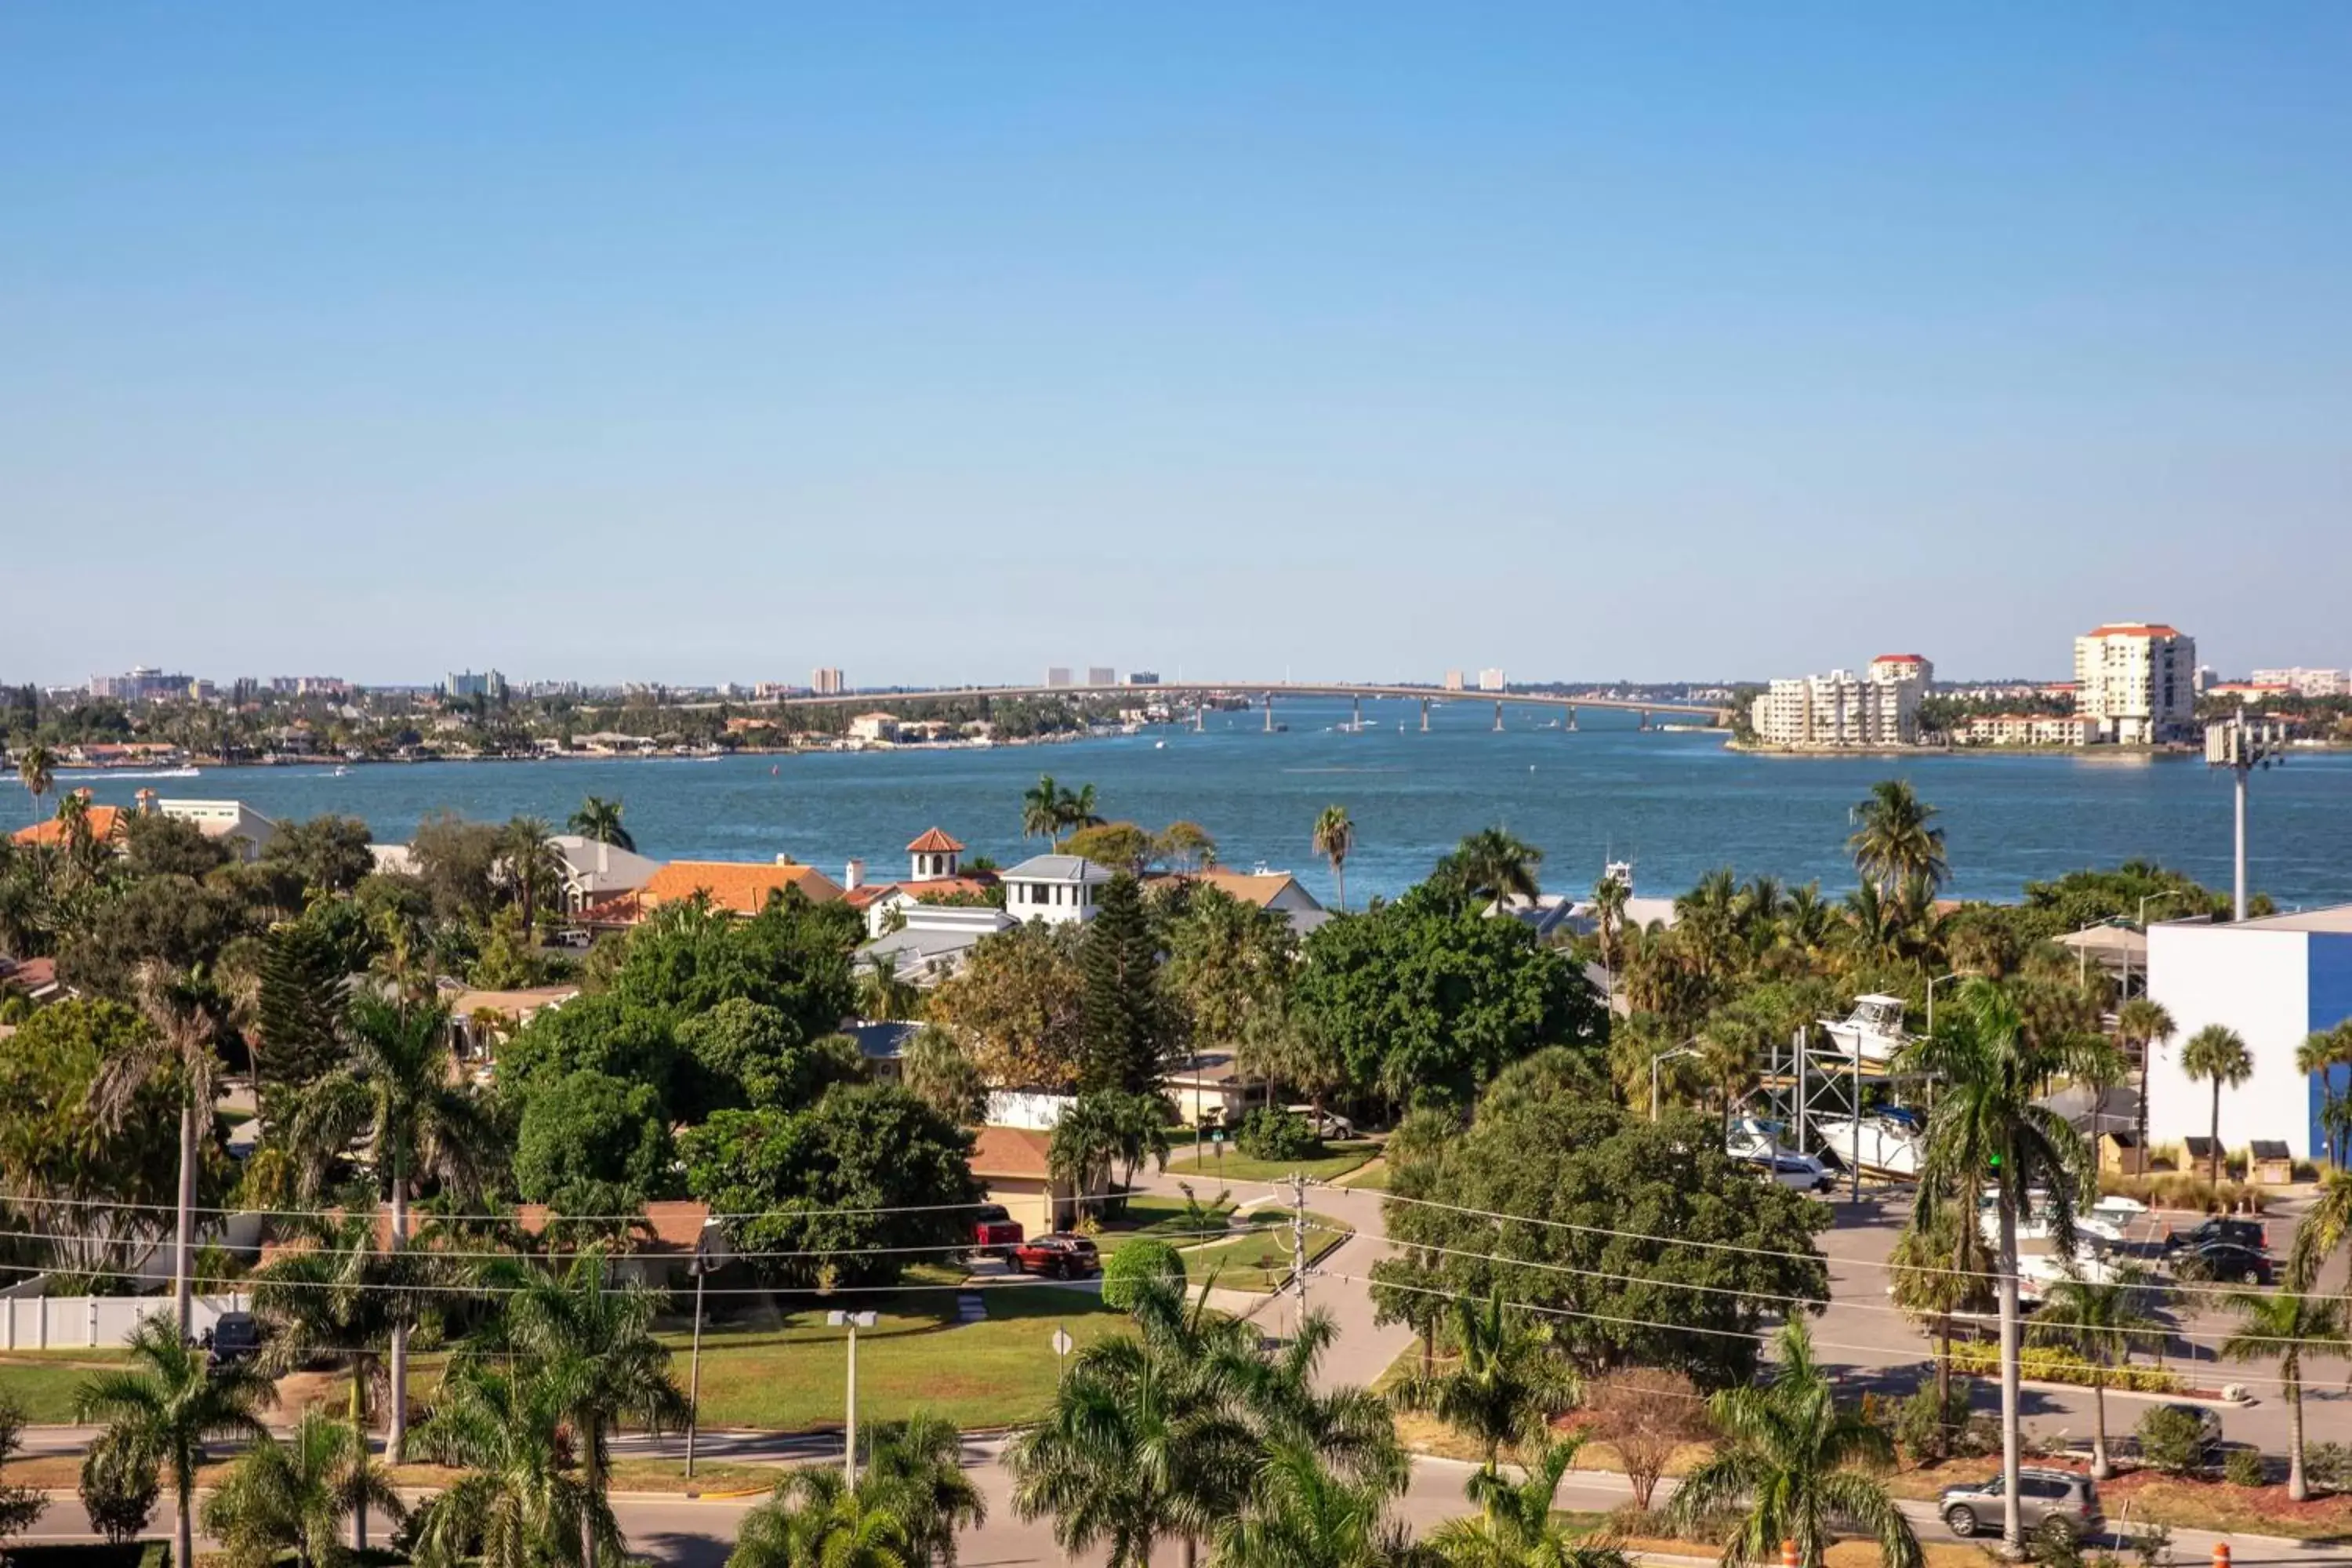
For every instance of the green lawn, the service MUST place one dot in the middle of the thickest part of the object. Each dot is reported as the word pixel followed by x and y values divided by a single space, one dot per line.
pixel 41 1383
pixel 1260 1259
pixel 788 1375
pixel 1375 1179
pixel 1336 1160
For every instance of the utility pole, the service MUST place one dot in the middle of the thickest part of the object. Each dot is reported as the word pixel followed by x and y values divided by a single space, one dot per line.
pixel 853 1322
pixel 2241 747
pixel 1298 1238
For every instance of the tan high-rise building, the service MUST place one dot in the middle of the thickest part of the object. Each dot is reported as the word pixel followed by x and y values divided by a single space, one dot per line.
pixel 1452 681
pixel 827 682
pixel 2136 680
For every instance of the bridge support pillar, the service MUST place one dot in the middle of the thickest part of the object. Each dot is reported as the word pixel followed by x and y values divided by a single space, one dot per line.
pixel 1200 714
pixel 1645 719
pixel 1567 726
pixel 1424 715
pixel 1357 704
pixel 1269 713
pixel 1498 717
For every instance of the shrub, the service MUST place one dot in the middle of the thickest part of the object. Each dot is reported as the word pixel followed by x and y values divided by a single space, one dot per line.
pixel 2328 1465
pixel 1646 1413
pixel 2054 1543
pixel 1923 1432
pixel 2056 1363
pixel 1146 1257
pixel 2243 1467
pixel 1271 1133
pixel 118 1490
pixel 2172 1439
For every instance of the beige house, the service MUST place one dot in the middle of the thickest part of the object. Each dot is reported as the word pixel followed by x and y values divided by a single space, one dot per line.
pixel 1013 1164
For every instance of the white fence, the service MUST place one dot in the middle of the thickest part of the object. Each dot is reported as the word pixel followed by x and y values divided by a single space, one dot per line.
pixel 54 1322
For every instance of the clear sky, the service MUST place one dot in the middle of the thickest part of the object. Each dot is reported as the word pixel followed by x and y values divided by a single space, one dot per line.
pixel 700 341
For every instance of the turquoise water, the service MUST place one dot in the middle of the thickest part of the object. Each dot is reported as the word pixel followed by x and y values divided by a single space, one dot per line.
pixel 1676 804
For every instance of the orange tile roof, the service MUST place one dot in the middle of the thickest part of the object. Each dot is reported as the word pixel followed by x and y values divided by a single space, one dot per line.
pixel 1898 658
pixel 1017 1153
pixel 1259 888
pixel 105 823
pixel 934 842
pixel 743 886
pixel 2132 629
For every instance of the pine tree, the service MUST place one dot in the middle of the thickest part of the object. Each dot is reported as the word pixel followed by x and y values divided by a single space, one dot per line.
pixel 300 1003
pixel 1125 1023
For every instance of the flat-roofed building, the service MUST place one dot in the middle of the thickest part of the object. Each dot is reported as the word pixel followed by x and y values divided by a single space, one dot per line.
pixel 2138 681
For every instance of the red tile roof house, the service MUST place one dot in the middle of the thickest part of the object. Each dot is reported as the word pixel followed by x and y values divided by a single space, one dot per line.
pixel 934 875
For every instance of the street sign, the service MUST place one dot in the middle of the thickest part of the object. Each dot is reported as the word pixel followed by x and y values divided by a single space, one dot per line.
pixel 1063 1343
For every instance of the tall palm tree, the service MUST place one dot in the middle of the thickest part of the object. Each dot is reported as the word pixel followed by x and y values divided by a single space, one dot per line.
pixel 1514 1527
pixel 1300 1513
pixel 397 1098
pixel 914 1471
pixel 344 1295
pixel 1041 811
pixel 292 1496
pixel 532 868
pixel 815 1518
pixel 2321 1053
pixel 2144 1025
pixel 882 996
pixel 2096 1320
pixel 597 1334
pixel 1608 896
pixel 184 1015
pixel 1496 864
pixel 1793 1461
pixel 1335 841
pixel 1894 838
pixel 37 769
pixel 518 1503
pixel 2285 1326
pixel 600 819
pixel 1077 810
pixel 1987 1128
pixel 1144 1441
pixel 1347 1428
pixel 161 1410
pixel 2217 1054
pixel 2326 1226
pixel 1503 1387
pixel 1936 1271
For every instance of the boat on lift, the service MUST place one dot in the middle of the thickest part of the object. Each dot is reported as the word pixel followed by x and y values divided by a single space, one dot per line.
pixel 1888 1142
pixel 1872 1032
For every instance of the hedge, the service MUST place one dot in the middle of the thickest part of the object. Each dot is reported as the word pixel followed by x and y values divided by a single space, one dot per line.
pixel 2056 1363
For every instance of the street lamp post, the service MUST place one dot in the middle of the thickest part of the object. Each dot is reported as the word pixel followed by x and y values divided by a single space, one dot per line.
pixel 1684 1049
pixel 2142 924
pixel 708 1256
pixel 853 1322
pixel 1955 974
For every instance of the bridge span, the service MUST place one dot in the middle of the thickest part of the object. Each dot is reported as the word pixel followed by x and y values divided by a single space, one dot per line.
pixel 1193 693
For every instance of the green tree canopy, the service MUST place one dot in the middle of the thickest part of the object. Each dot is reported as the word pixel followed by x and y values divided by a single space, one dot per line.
pixel 591 1127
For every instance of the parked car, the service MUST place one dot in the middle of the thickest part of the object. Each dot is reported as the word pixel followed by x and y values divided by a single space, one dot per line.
pixel 1330 1124
pixel 2225 1260
pixel 2041 1494
pixel 994 1232
pixel 1057 1257
pixel 235 1337
pixel 2246 1233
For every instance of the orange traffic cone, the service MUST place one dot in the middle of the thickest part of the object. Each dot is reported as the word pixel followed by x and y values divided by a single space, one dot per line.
pixel 1789 1554
pixel 2221 1554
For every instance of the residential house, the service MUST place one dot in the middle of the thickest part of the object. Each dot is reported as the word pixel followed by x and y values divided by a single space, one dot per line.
pixel 874 727
pixel 480 1020
pixel 1015 1167
pixel 243 831
pixel 595 870
pixel 1277 891
pixel 1059 890
pixel 883 1045
pixel 739 886
pixel 107 826
pixel 934 940
pixel 934 874
pixel 1207 1089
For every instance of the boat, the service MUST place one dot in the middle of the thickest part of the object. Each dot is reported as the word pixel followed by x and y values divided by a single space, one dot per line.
pixel 1755 1141
pixel 1883 1145
pixel 1872 1032
pixel 1158 745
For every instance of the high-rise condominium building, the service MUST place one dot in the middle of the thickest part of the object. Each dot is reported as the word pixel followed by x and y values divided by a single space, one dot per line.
pixel 1057 675
pixel 1877 707
pixel 1452 681
pixel 489 683
pixel 1101 675
pixel 2137 679
pixel 2308 682
pixel 826 680
pixel 1490 680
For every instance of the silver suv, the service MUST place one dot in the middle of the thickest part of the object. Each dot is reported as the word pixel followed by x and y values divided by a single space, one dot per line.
pixel 2066 1495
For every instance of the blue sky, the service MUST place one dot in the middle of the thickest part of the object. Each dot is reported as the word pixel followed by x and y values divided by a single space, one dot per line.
pixel 695 343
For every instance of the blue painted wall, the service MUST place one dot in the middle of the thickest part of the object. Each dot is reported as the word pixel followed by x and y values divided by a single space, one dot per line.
pixel 2331 1003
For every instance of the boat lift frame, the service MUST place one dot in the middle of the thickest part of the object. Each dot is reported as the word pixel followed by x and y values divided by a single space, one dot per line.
pixel 1806 1081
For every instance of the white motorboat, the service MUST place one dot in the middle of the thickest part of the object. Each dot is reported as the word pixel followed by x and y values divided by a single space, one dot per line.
pixel 2037 1271
pixel 1753 1141
pixel 1872 1032
pixel 1884 1145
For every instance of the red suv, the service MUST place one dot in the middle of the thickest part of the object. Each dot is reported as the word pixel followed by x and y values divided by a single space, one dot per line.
pixel 1057 1257
pixel 994 1231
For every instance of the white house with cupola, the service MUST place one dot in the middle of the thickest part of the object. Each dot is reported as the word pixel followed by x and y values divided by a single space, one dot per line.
pixel 1059 890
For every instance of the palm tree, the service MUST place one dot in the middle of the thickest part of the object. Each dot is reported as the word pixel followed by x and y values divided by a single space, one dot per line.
pixel 2324 1228
pixel 2143 1026
pixel 816 1520
pixel 518 1503
pixel 292 1496
pixel 2285 1326
pixel 346 1295
pixel 914 1471
pixel 2096 1320
pixel 1503 1385
pixel 2321 1053
pixel 183 1013
pixel 1041 811
pixel 36 767
pixel 1987 1127
pixel 162 1412
pixel 1794 1460
pixel 1144 1441
pixel 1495 864
pixel 597 1335
pixel 1608 896
pixel 1335 841
pixel 1514 1527
pixel 1077 810
pixel 397 1097
pixel 533 869
pixel 2218 1054
pixel 1301 1514
pixel 1894 839
pixel 882 996
pixel 1347 1428
pixel 600 819
pixel 1936 1271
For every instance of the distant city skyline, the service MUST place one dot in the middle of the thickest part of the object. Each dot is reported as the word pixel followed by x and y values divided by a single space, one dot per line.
pixel 946 343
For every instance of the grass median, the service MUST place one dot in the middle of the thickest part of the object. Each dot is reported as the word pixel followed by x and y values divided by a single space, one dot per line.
pixel 1202 1161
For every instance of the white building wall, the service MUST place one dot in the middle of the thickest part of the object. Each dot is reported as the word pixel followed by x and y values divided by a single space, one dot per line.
pixel 2256 982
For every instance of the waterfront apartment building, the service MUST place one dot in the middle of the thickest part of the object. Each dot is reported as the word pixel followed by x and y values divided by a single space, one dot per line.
pixel 1878 707
pixel 826 680
pixel 487 684
pixel 1057 675
pixel 1452 681
pixel 143 684
pixel 2028 730
pixel 1143 677
pixel 1101 675
pixel 2304 682
pixel 1491 681
pixel 2137 679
